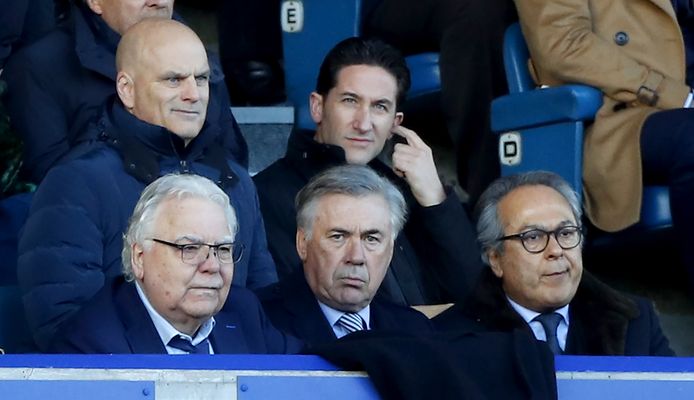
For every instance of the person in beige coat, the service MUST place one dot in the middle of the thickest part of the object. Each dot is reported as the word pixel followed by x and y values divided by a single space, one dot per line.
pixel 634 51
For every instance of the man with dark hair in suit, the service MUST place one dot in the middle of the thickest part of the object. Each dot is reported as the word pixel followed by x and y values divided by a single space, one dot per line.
pixel 178 261
pixel 530 230
pixel 347 218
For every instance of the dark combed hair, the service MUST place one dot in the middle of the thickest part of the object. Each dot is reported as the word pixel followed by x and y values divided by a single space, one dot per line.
pixel 361 51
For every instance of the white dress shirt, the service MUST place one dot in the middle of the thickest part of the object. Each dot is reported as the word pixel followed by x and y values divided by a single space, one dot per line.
pixel 536 326
pixel 332 315
pixel 166 331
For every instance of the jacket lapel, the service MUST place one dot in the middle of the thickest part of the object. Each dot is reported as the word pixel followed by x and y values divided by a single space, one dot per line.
pixel 227 336
pixel 309 322
pixel 140 332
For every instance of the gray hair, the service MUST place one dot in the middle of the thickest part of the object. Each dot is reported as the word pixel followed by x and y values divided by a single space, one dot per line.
pixel 489 224
pixel 350 180
pixel 171 186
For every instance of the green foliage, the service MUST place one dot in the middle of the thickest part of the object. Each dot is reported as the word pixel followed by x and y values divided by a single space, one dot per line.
pixel 10 156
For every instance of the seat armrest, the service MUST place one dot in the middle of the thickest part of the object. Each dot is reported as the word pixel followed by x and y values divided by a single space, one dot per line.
pixel 566 103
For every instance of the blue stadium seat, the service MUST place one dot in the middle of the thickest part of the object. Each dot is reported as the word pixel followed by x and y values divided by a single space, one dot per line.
pixel 311 28
pixel 542 128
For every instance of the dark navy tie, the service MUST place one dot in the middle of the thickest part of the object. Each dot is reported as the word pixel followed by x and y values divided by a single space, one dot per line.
pixel 550 322
pixel 177 342
pixel 352 322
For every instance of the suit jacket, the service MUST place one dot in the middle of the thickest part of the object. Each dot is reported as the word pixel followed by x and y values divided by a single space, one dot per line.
pixel 633 51
pixel 602 321
pixel 435 259
pixel 116 321
pixel 292 307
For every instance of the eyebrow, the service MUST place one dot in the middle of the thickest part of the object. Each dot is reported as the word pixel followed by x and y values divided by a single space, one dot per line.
pixel 198 239
pixel 382 100
pixel 179 75
pixel 563 223
pixel 173 74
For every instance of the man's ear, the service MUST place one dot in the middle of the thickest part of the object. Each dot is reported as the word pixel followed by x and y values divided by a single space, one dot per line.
pixel 495 263
pixel 137 253
pixel 301 245
pixel 95 5
pixel 125 89
pixel 315 101
pixel 399 116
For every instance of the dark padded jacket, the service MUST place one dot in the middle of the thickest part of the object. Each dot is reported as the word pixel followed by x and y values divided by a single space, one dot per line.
pixel 57 86
pixel 72 241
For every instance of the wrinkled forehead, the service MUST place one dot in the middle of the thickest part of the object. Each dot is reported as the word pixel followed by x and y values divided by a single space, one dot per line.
pixel 535 206
pixel 369 212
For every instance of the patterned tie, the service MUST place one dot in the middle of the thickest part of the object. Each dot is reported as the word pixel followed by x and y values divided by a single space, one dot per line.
pixel 352 322
pixel 177 342
pixel 550 322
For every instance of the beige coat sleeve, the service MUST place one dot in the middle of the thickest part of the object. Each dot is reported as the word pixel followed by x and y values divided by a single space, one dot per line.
pixel 572 41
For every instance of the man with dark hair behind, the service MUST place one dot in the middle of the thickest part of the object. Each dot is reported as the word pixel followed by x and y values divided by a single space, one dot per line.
pixel 360 86
pixel 530 230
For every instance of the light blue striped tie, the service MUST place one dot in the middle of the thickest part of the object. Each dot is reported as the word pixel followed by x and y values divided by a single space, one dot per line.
pixel 352 322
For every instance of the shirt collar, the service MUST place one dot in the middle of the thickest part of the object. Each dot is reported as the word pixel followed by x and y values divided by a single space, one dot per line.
pixel 332 315
pixel 529 315
pixel 167 331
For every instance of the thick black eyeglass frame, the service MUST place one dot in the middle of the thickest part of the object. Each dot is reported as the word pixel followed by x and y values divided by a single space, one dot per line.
pixel 235 248
pixel 521 235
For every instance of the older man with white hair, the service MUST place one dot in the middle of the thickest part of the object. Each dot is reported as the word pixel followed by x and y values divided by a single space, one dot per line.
pixel 176 295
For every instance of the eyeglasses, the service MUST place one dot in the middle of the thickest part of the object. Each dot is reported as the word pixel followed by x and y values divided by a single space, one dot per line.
pixel 536 240
pixel 197 253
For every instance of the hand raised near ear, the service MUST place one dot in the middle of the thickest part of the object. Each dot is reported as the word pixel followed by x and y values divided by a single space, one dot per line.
pixel 414 162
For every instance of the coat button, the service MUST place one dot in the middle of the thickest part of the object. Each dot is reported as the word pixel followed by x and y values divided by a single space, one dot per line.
pixel 621 38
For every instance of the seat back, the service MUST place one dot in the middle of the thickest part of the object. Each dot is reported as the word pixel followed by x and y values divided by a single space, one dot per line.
pixel 544 128
pixel 310 28
pixel 516 58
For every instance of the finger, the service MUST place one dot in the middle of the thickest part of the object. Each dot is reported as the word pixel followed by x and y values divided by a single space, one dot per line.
pixel 399 172
pixel 404 162
pixel 412 138
pixel 405 149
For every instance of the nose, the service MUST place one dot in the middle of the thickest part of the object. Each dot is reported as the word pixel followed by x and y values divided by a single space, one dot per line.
pixel 157 3
pixel 211 263
pixel 553 249
pixel 362 119
pixel 190 91
pixel 355 255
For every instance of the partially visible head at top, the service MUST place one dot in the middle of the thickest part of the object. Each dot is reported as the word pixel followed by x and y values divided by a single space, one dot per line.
pixel 120 15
